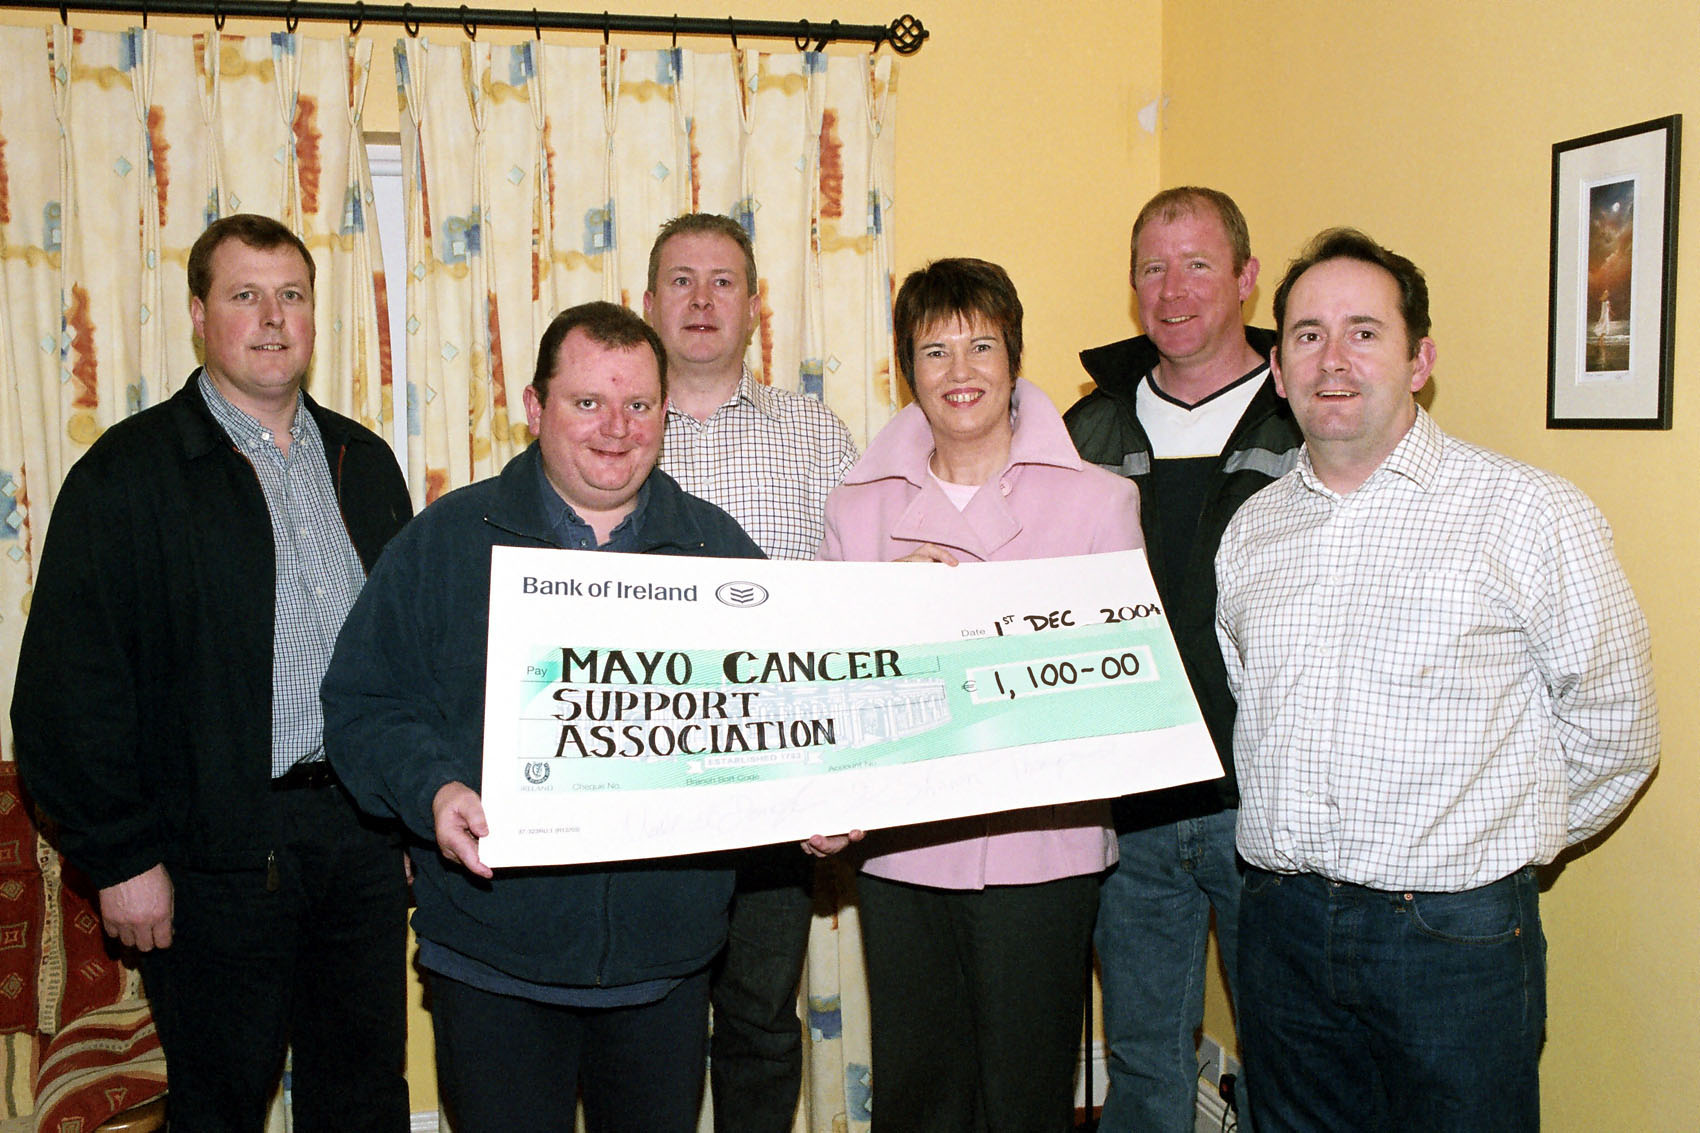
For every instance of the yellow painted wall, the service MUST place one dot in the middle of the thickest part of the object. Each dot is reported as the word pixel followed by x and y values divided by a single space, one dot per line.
pixel 1430 126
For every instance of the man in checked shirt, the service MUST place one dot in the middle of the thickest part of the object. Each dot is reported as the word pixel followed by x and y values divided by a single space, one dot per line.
pixel 1443 681
pixel 769 457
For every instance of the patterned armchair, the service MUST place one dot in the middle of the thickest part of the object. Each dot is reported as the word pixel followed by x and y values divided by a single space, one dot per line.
pixel 77 1043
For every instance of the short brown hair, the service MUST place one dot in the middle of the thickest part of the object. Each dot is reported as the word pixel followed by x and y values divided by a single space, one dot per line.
pixel 693 223
pixel 606 324
pixel 1350 244
pixel 961 289
pixel 259 232
pixel 1186 200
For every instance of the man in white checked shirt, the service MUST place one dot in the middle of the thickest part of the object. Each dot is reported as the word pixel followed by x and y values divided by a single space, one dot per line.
pixel 1443 681
pixel 769 457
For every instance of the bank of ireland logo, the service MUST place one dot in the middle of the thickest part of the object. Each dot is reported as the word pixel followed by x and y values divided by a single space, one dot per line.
pixel 536 773
pixel 742 594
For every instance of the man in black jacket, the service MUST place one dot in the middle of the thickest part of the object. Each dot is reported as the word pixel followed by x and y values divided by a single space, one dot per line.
pixel 201 558
pixel 1189 412
pixel 544 983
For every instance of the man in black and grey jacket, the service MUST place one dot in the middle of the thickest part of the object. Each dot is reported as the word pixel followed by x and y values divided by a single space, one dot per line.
pixel 1189 412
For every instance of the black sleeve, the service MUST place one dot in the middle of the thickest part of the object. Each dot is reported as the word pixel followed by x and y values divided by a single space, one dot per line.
pixel 75 709
pixel 1094 426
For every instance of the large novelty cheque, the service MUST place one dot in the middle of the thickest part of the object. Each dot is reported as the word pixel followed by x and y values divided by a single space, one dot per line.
pixel 640 706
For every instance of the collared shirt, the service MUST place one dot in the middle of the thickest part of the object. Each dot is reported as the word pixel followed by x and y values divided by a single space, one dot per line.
pixel 318 570
pixel 768 457
pixel 575 534
pixel 1442 676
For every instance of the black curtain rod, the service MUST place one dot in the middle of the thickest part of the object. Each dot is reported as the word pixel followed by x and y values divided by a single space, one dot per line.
pixel 905 34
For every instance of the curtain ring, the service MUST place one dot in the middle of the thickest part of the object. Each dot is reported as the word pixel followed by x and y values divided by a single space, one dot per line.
pixel 290 19
pixel 732 30
pixel 64 16
pixel 358 20
pixel 801 39
pixel 218 17
pixel 675 30
pixel 831 35
pixel 410 24
pixel 605 27
pixel 466 25
pixel 537 25
pixel 144 15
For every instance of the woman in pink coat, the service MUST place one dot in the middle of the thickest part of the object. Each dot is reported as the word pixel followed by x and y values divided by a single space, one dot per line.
pixel 977 931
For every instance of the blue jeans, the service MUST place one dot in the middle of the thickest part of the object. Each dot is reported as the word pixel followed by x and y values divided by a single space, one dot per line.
pixel 1363 1009
pixel 1153 917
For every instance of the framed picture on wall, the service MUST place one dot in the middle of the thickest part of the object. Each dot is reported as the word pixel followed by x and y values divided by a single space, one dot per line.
pixel 1613 282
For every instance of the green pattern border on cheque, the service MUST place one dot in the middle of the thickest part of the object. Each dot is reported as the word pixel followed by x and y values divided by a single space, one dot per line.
pixel 628 720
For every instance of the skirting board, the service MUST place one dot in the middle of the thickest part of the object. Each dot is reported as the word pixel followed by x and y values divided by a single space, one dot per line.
pixel 1212 1113
pixel 1100 1076
pixel 1209 1115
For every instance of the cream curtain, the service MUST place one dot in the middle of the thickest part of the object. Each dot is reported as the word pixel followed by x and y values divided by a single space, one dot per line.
pixel 537 176
pixel 116 150
pixel 119 148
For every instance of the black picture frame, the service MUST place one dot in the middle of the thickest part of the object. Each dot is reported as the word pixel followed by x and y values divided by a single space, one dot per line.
pixel 1612 289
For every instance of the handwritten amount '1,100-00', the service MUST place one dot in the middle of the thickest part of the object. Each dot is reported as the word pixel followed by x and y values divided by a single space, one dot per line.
pixel 1062 674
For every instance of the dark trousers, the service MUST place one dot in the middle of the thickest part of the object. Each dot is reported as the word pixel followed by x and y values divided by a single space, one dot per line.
pixel 756 1057
pixel 505 1063
pixel 1372 1010
pixel 976 1001
pixel 318 963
